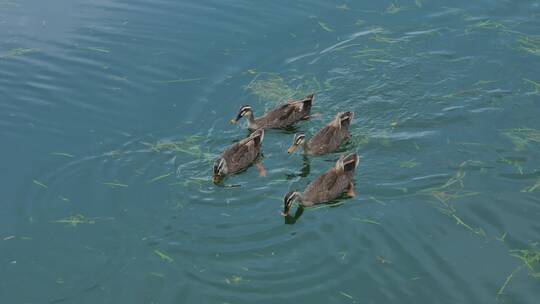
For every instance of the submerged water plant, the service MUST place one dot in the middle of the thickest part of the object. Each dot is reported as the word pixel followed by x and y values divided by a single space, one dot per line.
pixel 270 87
pixel 532 188
pixel 530 259
pixel 522 137
pixel 18 52
pixel 274 88
pixel 190 145
pixel 452 189
pixel 75 220
pixel 529 44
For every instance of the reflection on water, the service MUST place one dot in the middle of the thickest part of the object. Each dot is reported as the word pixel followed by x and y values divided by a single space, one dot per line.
pixel 112 113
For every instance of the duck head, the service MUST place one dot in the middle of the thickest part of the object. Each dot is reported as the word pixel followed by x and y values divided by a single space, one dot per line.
pixel 220 170
pixel 245 111
pixel 299 140
pixel 288 201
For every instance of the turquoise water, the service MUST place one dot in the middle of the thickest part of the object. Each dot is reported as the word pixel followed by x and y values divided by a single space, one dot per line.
pixel 111 113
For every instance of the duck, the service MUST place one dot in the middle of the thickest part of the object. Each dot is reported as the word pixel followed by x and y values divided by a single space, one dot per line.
pixel 327 187
pixel 239 157
pixel 282 116
pixel 328 139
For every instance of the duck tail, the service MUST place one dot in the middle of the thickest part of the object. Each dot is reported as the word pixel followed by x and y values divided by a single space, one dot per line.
pixel 345 119
pixel 350 162
pixel 257 136
pixel 307 102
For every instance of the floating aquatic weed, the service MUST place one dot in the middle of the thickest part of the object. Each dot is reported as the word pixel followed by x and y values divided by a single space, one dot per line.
pixel 529 44
pixel 452 190
pixel 502 238
pixel 451 211
pixel 515 162
pixel 325 27
pixel 155 179
pixel 369 52
pixel 199 181
pixel 311 84
pixel 75 220
pixel 409 164
pixel 113 153
pixel 367 221
pixel 383 260
pixel 181 80
pixel 485 25
pixel 235 280
pixel 385 142
pixel 535 85
pixel 484 82
pixel 118 78
pixel 189 145
pixel 522 137
pixel 464 93
pixel 343 254
pixel 377 200
pixel 95 49
pixel 346 295
pixel 394 9
pixel 379 60
pixel 163 256
pixel 530 258
pixel 360 140
pixel 115 184
pixel 508 279
pixel 36 182
pixel 62 154
pixel 18 52
pixel 271 87
pixel 533 187
pixel 385 39
pixel 360 22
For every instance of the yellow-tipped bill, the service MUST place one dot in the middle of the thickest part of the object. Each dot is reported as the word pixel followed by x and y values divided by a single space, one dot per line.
pixel 292 148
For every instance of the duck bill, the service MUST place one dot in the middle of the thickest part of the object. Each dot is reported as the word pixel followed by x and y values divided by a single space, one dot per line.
pixel 235 120
pixel 216 179
pixel 292 149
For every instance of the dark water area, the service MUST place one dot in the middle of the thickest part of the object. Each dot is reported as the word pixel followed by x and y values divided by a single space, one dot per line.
pixel 112 112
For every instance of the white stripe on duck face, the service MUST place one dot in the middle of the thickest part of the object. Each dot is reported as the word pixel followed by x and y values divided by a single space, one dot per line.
pixel 299 138
pixel 244 110
pixel 221 165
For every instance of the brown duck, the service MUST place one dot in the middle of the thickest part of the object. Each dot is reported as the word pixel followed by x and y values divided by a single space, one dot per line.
pixel 282 116
pixel 240 156
pixel 328 139
pixel 326 187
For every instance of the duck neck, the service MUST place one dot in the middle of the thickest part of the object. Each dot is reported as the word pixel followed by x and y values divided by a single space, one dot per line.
pixel 299 199
pixel 251 121
pixel 305 147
